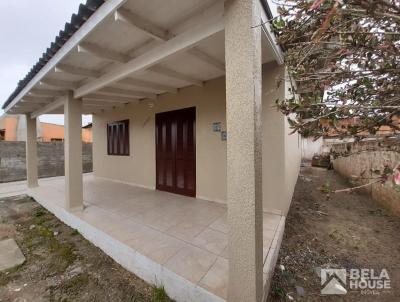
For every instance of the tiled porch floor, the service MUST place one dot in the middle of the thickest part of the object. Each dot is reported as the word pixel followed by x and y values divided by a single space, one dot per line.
pixel 184 235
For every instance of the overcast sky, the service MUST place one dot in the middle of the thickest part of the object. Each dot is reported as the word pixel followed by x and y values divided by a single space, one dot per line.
pixel 27 27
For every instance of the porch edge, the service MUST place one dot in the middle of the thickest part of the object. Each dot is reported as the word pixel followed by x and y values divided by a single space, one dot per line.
pixel 176 286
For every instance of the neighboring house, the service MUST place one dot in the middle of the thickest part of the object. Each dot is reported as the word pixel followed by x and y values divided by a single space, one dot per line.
pixel 311 146
pixel 182 96
pixel 13 128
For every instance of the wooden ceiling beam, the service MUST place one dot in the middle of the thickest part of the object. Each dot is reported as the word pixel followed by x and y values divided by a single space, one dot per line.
pixel 46 92
pixel 59 83
pixel 169 73
pixel 127 93
pixel 148 85
pixel 77 71
pixel 107 98
pixel 131 19
pixel 102 53
pixel 36 99
pixel 49 107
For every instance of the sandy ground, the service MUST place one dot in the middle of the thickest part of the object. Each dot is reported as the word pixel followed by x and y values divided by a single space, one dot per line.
pixel 60 264
pixel 347 231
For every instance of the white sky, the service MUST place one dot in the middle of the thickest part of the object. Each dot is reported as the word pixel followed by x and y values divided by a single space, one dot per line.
pixel 27 27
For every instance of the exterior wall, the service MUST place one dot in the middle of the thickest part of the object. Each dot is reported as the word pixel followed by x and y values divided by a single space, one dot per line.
pixel 87 135
pixel 50 158
pixel 15 126
pixel 309 147
pixel 51 132
pixel 139 168
pixel 9 124
pixel 281 150
pixel 366 162
pixel 281 158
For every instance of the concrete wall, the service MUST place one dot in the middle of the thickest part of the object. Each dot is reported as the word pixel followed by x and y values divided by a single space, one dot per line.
pixel 310 147
pixel 355 164
pixel 281 152
pixel 50 156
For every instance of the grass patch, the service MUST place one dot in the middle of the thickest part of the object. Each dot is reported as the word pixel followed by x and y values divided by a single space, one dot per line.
pixel 60 254
pixel 77 282
pixel 279 292
pixel 75 233
pixel 8 275
pixel 40 212
pixel 159 294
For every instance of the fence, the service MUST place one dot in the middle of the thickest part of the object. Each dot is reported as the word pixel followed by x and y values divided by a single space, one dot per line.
pixel 366 157
pixel 50 157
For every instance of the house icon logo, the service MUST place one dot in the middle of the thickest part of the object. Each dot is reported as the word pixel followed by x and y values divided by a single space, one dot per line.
pixel 333 281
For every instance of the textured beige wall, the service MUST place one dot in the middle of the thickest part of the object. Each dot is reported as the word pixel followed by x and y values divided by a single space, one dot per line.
pixel 280 162
pixel 281 150
pixel 139 168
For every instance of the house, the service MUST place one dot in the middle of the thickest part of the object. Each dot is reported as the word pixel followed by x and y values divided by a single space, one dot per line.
pixel 194 168
pixel 13 128
pixel 336 133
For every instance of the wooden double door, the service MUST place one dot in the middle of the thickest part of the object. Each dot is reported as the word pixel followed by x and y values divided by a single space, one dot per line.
pixel 176 151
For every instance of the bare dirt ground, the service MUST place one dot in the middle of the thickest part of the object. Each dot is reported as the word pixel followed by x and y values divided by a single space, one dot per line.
pixel 60 264
pixel 347 231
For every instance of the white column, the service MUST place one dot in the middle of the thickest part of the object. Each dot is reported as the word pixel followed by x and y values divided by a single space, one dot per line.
pixel 73 153
pixel 31 152
pixel 244 164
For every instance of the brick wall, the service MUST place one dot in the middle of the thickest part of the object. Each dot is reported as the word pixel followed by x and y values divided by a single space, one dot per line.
pixel 50 155
pixel 371 155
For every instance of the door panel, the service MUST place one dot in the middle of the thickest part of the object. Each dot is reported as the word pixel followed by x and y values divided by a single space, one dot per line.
pixel 176 151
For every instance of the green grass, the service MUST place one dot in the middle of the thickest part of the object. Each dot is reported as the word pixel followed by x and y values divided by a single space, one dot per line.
pixel 75 233
pixel 8 275
pixel 77 282
pixel 40 212
pixel 159 294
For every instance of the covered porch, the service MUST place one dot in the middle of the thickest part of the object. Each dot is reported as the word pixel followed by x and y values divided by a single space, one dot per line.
pixel 128 60
pixel 175 241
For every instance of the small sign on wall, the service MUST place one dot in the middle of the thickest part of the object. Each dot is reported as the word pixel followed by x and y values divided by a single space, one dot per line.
pixel 224 136
pixel 216 126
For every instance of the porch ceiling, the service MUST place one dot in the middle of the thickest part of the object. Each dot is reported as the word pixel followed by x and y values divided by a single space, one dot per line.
pixel 129 50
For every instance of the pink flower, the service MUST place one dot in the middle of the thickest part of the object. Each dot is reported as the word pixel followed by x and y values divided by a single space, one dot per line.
pixel 396 177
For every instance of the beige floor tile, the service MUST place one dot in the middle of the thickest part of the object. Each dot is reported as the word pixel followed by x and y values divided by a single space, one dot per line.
pixel 142 238
pixel 127 230
pixel 186 230
pixel 166 221
pixel 161 247
pixel 211 240
pixel 220 224
pixel 104 220
pixel 216 279
pixel 225 253
pixel 191 262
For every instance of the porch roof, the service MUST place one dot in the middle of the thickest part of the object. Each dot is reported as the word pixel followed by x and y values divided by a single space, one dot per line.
pixel 116 52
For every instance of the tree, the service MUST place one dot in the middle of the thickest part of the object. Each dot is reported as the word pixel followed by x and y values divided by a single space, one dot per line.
pixel 344 58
